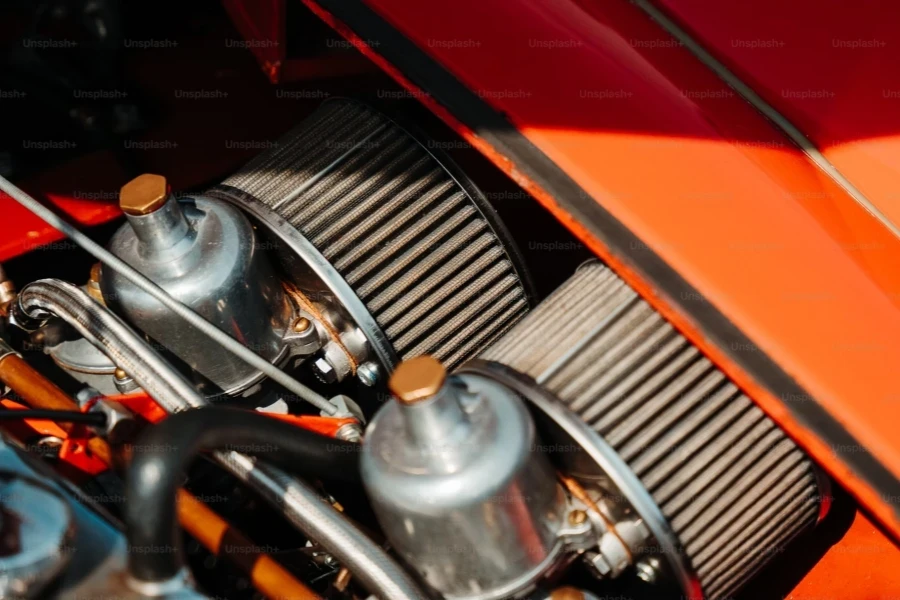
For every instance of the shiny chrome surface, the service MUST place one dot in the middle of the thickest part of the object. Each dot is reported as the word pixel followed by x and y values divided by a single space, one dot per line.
pixel 313 274
pixel 733 487
pixel 216 267
pixel 411 248
pixel 107 332
pixel 7 288
pixel 737 238
pixel 86 364
pixel 160 230
pixel 460 491
pixel 190 316
pixel 300 505
pixel 305 509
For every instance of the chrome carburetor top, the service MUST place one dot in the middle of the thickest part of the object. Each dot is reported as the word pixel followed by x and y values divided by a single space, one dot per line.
pixel 205 254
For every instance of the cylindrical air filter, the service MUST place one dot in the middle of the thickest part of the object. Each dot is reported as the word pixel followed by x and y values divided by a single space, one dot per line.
pixel 416 244
pixel 731 485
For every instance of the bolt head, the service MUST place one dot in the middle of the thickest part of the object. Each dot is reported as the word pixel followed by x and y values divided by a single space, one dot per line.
pixel 144 194
pixel 120 422
pixel 577 517
pixel 597 563
pixel 95 274
pixel 351 432
pixel 93 286
pixel 325 371
pixel 49 441
pixel 567 593
pixel 85 395
pixel 367 373
pixel 301 325
pixel 417 379
pixel 646 571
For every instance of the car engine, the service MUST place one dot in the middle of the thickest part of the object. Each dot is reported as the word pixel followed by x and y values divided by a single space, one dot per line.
pixel 331 375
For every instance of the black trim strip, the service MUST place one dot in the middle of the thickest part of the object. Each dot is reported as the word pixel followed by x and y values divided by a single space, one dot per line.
pixel 492 126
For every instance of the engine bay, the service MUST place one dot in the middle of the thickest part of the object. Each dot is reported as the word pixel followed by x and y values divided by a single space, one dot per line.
pixel 366 364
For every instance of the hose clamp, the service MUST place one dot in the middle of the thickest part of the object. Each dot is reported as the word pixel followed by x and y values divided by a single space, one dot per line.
pixel 7 350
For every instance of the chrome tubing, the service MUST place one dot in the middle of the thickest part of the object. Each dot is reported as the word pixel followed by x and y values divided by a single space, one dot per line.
pixel 135 277
pixel 111 335
pixel 318 520
pixel 376 570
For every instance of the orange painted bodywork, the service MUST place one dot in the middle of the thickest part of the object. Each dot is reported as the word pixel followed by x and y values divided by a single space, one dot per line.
pixel 834 77
pixel 862 566
pixel 66 190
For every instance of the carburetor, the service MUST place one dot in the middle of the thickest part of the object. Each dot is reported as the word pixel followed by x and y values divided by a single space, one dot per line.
pixel 207 255
pixel 348 244
pixel 453 473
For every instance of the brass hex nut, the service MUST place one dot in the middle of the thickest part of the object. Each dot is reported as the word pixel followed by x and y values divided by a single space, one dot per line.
pixel 567 593
pixel 417 379
pixel 144 194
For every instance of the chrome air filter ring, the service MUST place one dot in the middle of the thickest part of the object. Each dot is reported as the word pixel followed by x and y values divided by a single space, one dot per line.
pixel 412 239
pixel 732 485
pixel 312 269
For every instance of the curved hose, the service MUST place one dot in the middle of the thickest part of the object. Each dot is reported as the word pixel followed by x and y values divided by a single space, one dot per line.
pixel 165 451
pixel 102 328
pixel 374 568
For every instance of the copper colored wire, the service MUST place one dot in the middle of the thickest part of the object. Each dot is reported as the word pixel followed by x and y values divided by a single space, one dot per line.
pixel 574 488
pixel 306 304
pixel 208 528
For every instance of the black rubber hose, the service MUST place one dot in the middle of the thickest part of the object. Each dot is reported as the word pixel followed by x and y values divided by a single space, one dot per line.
pixel 165 451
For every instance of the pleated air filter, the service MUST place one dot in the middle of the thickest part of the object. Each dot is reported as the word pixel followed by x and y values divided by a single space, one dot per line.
pixel 420 249
pixel 732 486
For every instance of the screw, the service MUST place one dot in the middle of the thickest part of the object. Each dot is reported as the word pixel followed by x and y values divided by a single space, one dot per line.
pixel 351 432
pixel 85 395
pixel 342 580
pixel 367 373
pixel 577 517
pixel 49 443
pixel 646 570
pixel 93 286
pixel 7 289
pixel 95 273
pixel 301 325
pixel 324 371
pixel 124 382
pixel 597 563
pixel 47 446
